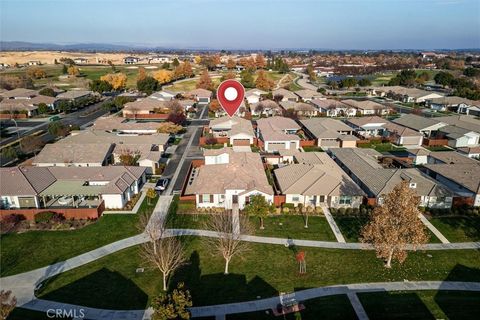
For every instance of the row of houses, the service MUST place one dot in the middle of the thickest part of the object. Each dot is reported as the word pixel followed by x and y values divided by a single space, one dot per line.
pixel 28 101
pixel 343 178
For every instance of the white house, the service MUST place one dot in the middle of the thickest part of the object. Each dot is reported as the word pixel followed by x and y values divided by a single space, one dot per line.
pixel 238 130
pixel 254 95
pixel 278 133
pixel 229 178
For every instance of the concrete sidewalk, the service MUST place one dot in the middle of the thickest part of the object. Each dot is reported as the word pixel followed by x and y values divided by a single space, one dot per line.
pixel 333 225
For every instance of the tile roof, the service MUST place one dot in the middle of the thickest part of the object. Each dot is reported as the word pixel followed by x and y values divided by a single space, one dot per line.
pixel 416 122
pixel 73 153
pixel 452 157
pixel 234 125
pixel 465 174
pixel 285 93
pixel 325 127
pixel 364 105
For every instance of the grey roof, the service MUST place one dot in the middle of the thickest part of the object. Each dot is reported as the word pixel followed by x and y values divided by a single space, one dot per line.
pixel 451 157
pixel 18 181
pixel 285 93
pixel 73 153
pixel 416 122
pixel 19 93
pixel 466 122
pixel 308 94
pixel 297 106
pixel 464 174
pixel 378 180
pixel 325 127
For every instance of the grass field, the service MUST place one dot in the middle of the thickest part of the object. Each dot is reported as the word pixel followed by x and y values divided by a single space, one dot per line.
pixel 352 226
pixel 381 147
pixel 34 249
pixel 264 271
pixel 458 229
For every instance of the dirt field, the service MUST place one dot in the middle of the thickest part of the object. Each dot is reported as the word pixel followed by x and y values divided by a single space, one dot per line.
pixel 47 57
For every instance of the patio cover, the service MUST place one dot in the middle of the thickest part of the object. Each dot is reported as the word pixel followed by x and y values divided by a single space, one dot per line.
pixel 71 188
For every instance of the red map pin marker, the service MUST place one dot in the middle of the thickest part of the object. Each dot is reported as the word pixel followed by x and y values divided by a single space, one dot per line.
pixel 230 94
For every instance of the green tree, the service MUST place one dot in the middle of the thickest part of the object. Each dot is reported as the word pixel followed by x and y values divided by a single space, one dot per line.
pixel 43 108
pixel 348 82
pixel 471 72
pixel 148 85
pixel 64 69
pixel 64 106
pixel 172 306
pixel 100 86
pixel 404 78
pixel 364 82
pixel 259 207
pixel 175 63
pixel 47 92
pixel 246 78
pixel 57 129
pixel 9 153
pixel 444 78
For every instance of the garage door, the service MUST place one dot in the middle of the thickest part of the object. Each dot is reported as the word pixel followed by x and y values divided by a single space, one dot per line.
pixel 408 141
pixel 241 142
pixel 276 146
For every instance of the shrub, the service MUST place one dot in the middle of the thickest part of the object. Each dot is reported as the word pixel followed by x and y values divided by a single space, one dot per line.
pixel 341 211
pixel 348 211
pixel 13 218
pixel 288 205
pixel 48 216
pixel 285 210
pixel 333 210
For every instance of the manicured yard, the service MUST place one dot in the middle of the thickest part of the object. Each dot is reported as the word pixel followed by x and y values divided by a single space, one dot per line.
pixel 421 305
pixel 264 271
pixel 381 147
pixel 34 249
pixel 458 229
pixel 352 226
pixel 312 149
pixel 292 226
pixel 438 148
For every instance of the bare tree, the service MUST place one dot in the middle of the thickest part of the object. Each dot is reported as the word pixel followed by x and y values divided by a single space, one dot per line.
pixel 396 224
pixel 162 251
pixel 228 243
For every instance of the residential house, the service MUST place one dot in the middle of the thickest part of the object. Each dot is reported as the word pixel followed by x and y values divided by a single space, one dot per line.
pixel 229 178
pixel 267 108
pixel 201 96
pixel 451 103
pixel 418 156
pixel 239 131
pixel 146 109
pixel 406 95
pixel 24 100
pixel 254 95
pixel 80 60
pixel 449 157
pixel 461 178
pixel 380 127
pixel 99 148
pixel 329 132
pixel 473 110
pixel 300 108
pixel 75 95
pixel 122 125
pixel 316 180
pixel 278 133
pixel 367 107
pixel 363 166
pixel 286 95
pixel 19 93
pixel 427 126
pixel 131 60
pixel 461 131
pixel 334 108
pixel 164 95
pixel 53 188
pixel 309 95
pixel 471 152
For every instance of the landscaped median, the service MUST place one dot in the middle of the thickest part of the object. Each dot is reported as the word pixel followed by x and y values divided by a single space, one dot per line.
pixel 21 252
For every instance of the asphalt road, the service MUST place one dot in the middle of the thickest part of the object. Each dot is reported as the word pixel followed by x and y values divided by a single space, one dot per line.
pixel 74 118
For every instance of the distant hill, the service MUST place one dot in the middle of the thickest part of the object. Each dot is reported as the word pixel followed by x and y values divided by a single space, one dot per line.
pixel 27 46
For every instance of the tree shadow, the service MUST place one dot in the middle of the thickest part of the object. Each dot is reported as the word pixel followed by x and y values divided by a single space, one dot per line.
pixel 460 304
pixel 104 289
pixel 394 305
pixel 219 288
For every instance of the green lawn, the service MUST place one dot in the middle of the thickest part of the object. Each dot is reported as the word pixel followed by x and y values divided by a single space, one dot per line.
pixel 264 271
pixel 325 308
pixel 23 314
pixel 34 249
pixel 312 149
pixel 421 305
pixel 438 148
pixel 352 226
pixel 458 229
pixel 381 147
pixel 292 226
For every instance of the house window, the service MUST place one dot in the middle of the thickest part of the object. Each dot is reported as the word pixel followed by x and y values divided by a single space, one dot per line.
pixel 345 200
pixel 222 198
pixel 296 199
pixel 247 200
pixel 205 198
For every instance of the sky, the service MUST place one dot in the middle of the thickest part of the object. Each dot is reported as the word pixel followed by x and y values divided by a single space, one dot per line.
pixel 247 24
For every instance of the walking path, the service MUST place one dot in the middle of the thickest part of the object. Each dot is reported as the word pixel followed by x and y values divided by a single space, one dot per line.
pixel 333 225
pixel 432 228
pixel 303 295
pixel 357 306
